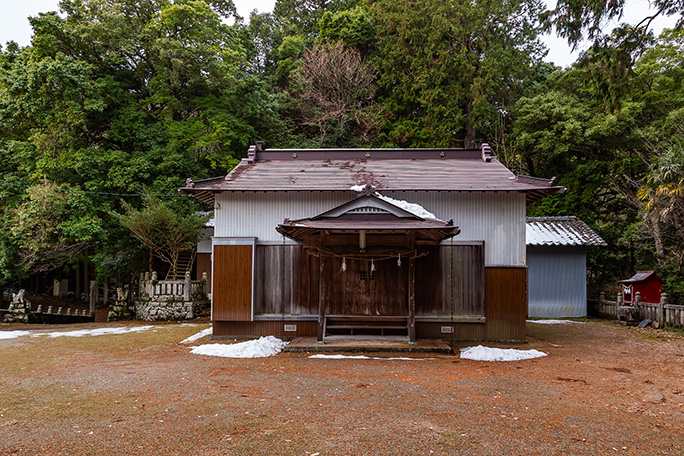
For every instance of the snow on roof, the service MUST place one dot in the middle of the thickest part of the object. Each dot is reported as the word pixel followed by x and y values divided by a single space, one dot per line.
pixel 413 208
pixel 568 230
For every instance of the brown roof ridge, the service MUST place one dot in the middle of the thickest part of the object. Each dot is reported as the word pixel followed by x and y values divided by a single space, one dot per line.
pixel 258 153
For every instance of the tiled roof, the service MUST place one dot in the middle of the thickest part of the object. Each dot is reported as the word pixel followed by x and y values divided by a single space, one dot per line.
pixel 560 231
pixel 385 169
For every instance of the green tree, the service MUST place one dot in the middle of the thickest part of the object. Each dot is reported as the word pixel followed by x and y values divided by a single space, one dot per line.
pixel 618 159
pixel 51 229
pixel 163 229
pixel 446 69
pixel 577 19
pixel 115 94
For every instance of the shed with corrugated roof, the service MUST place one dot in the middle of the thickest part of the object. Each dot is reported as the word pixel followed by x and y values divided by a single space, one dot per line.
pixel 557 266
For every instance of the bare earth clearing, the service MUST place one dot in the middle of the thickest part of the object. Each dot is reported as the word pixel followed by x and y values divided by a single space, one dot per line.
pixel 603 389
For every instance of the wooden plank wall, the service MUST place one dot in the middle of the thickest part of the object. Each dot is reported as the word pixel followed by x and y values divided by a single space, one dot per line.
pixel 232 294
pixel 276 284
pixel 464 277
pixel 450 281
pixel 348 294
pixel 505 302
pixel 429 299
pixel 230 329
pixel 309 271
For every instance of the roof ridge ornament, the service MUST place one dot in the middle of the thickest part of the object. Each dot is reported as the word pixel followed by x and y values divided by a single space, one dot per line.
pixel 486 152
pixel 251 154
pixel 367 190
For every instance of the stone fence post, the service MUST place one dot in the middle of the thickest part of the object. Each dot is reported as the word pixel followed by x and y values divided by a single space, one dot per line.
pixel 186 287
pixel 150 284
pixel 660 312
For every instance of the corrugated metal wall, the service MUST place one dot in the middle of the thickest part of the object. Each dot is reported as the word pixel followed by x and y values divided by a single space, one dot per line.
pixel 498 219
pixel 557 282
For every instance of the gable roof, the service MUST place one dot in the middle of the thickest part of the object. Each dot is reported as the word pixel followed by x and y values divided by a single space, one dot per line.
pixel 370 213
pixel 642 276
pixel 462 170
pixel 369 204
pixel 567 230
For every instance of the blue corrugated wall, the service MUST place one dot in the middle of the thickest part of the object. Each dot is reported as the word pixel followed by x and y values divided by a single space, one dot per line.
pixel 557 282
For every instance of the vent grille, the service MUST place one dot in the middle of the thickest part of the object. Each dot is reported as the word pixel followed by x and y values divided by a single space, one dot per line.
pixel 367 210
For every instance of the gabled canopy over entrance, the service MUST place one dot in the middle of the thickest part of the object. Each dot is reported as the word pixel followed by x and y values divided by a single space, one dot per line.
pixel 370 214
pixel 365 231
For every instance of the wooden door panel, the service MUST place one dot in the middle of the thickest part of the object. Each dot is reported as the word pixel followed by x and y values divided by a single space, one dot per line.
pixel 232 294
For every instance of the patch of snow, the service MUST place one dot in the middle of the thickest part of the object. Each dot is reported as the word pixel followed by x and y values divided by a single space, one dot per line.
pixel 413 208
pixel 357 188
pixel 363 357
pixel 199 335
pixel 13 334
pixel 481 353
pixel 553 322
pixel 338 357
pixel 96 331
pixel 259 348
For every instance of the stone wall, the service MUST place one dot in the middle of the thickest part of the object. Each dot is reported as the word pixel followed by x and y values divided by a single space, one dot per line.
pixel 164 309
pixel 169 299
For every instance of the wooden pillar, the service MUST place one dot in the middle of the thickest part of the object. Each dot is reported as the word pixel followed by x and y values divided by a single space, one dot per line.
pixel 86 279
pixel 412 300
pixel 78 280
pixel 321 302
pixel 105 292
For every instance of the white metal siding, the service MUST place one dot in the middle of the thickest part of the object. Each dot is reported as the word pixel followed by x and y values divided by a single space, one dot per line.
pixel 497 218
pixel 557 282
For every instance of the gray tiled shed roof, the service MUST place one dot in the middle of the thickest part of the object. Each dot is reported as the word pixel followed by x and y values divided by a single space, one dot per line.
pixel 567 230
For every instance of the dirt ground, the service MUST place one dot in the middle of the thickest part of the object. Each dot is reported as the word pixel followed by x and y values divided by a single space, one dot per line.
pixel 604 389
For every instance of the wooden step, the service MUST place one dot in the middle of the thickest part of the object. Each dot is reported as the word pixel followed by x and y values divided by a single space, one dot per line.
pixel 366 323
pixel 184 264
pixel 368 317
pixel 366 327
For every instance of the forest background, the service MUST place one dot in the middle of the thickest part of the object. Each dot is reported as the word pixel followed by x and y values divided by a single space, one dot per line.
pixel 116 102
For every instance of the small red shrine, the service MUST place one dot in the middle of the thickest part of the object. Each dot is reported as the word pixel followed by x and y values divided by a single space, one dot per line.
pixel 645 282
